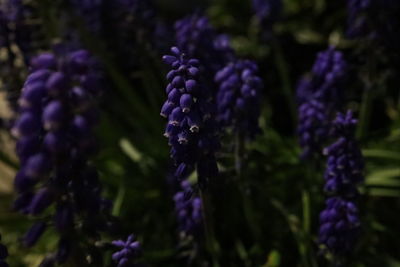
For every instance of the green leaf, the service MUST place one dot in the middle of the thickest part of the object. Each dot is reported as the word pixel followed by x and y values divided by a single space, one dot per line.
pixel 387 177
pixel 383 192
pixel 274 259
pixel 380 153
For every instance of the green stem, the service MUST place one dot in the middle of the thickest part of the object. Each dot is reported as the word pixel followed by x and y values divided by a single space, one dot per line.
pixel 119 200
pixel 365 113
pixel 298 234
pixel 247 206
pixel 211 242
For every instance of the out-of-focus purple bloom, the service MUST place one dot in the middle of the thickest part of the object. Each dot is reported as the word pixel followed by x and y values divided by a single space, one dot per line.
pixel 55 141
pixel 239 96
pixel 3 255
pixel 128 253
pixel 196 37
pixel 345 162
pixel 376 20
pixel 339 225
pixel 313 126
pixel 90 11
pixel 328 77
pixel 318 98
pixel 188 208
pixel 191 128
pixel 267 11
pixel 339 222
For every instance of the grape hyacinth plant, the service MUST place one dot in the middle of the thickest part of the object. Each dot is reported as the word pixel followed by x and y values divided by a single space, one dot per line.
pixel 191 127
pixel 238 97
pixel 192 136
pixel 340 222
pixel 55 142
pixel 3 255
pixel 318 98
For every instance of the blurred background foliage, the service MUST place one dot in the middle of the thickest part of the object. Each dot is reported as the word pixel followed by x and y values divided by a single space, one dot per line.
pixel 270 217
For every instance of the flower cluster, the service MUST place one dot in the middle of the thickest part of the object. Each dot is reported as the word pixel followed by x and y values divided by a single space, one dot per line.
pixel 128 252
pixel 188 209
pixel 196 36
pixel 322 93
pixel 191 128
pixel 3 255
pixel 340 225
pixel 339 222
pixel 375 20
pixel 238 97
pixel 345 162
pixel 55 141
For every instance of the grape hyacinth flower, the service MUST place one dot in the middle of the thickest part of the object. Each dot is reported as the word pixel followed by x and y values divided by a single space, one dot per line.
pixel 188 208
pixel 339 222
pixel 3 255
pixel 191 128
pixel 196 36
pixel 55 141
pixel 345 162
pixel 318 98
pixel 238 97
pixel 129 251
pixel 339 226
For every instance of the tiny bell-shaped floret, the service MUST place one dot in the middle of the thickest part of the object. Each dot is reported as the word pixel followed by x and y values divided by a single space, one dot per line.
pixel 57 84
pixel 42 199
pixel 27 124
pixel 34 233
pixel 32 95
pixel 53 115
pixel 176 116
pixel 186 102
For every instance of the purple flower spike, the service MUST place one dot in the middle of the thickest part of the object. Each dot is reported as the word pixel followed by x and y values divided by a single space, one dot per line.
pixel 318 98
pixel 55 139
pixel 238 97
pixel 188 209
pixel 188 109
pixel 339 222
